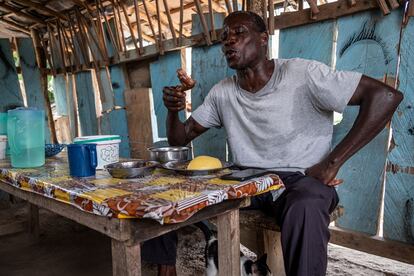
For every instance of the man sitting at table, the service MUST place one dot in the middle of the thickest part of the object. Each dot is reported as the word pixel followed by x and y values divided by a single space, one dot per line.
pixel 278 115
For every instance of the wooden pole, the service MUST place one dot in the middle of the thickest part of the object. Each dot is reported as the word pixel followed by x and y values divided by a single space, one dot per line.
pixel 161 48
pixel 410 11
pixel 134 39
pixel 313 6
pixel 212 27
pixel 170 22
pixel 235 5
pixel 139 30
pixel 111 34
pixel 271 17
pixel 228 6
pixel 41 62
pixel 393 4
pixel 384 7
pixel 181 21
pixel 62 50
pixel 203 22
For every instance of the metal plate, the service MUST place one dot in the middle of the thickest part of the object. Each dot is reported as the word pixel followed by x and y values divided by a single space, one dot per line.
pixel 131 169
pixel 181 168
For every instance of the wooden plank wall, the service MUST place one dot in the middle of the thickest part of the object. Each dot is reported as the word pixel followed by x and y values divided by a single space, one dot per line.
pixel 208 67
pixel 367 43
pixel 163 73
pixel 32 78
pixel 9 83
pixel 86 103
pixel 399 191
pixel 60 93
pixel 318 45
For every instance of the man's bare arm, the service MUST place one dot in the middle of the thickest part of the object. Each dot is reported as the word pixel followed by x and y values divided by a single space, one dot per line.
pixel 377 103
pixel 179 133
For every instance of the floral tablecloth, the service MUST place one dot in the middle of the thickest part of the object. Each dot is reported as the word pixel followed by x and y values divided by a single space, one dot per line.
pixel 163 196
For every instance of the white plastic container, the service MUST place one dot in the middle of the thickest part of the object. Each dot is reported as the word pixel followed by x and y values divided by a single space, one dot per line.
pixel 107 147
pixel 3 144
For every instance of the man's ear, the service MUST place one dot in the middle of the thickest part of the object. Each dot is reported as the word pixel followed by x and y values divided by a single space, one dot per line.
pixel 264 37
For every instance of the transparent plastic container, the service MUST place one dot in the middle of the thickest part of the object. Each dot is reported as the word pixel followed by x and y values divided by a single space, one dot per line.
pixel 26 135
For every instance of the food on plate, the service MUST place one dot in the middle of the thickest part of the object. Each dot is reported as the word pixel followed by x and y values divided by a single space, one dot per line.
pixel 204 162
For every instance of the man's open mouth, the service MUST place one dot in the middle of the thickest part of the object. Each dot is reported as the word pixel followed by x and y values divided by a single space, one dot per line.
pixel 230 53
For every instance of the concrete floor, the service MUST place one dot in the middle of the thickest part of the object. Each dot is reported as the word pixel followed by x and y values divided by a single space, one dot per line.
pixel 67 248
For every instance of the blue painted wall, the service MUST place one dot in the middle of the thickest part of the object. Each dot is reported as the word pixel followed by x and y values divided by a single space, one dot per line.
pixel 366 43
pixel 86 103
pixel 9 83
pixel 399 189
pixel 163 73
pixel 32 78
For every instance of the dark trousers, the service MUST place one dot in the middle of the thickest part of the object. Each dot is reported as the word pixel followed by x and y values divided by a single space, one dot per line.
pixel 302 211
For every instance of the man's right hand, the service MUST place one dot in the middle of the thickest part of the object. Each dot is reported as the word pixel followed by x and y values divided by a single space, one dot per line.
pixel 174 98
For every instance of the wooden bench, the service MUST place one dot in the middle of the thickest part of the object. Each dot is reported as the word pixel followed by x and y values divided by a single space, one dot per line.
pixel 261 234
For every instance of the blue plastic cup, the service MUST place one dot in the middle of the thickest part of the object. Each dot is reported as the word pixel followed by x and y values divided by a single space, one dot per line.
pixel 82 159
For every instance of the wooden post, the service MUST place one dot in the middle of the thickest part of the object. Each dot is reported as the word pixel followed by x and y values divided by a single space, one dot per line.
pixel 41 62
pixel 160 43
pixel 134 39
pixel 229 243
pixel 180 35
pixel 228 6
pixel 203 22
pixel 273 248
pixel 271 17
pixel 212 27
pixel 410 11
pixel 126 259
pixel 394 4
pixel 139 30
pixel 384 7
pixel 33 219
pixel 170 22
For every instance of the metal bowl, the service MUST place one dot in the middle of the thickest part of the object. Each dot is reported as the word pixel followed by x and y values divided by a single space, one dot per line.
pixel 181 168
pixel 131 169
pixel 167 154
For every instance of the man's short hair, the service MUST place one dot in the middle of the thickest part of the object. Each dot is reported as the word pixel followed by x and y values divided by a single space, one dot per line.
pixel 256 19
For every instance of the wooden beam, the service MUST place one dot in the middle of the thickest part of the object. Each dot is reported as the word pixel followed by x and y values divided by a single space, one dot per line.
pixel 139 30
pixel 170 22
pixel 229 242
pixel 42 8
pixel 389 249
pixel 131 30
pixel 393 4
pixel 384 7
pixel 22 14
pixel 203 22
pixel 327 11
pixel 15 26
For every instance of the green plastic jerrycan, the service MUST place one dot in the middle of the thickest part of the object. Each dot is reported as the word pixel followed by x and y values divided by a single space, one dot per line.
pixel 26 135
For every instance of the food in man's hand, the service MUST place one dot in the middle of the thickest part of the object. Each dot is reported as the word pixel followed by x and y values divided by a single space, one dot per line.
pixel 186 81
pixel 204 162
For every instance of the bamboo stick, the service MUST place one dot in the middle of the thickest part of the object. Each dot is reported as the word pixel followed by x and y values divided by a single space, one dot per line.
pixel 75 55
pixel 271 17
pixel 203 22
pixel 160 47
pixel 149 19
pixel 170 22
pixel 181 21
pixel 74 38
pixel 394 4
pixel 383 6
pixel 264 13
pixel 134 39
pixel 61 47
pixel 53 65
pixel 111 34
pixel 235 5
pixel 212 27
pixel 228 6
pixel 139 30
pixel 41 61
pixel 313 6
pixel 352 2
pixel 410 11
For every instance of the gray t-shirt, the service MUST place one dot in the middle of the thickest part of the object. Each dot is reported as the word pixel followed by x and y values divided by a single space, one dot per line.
pixel 286 125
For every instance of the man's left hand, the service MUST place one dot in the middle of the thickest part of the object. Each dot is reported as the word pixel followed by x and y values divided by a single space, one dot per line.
pixel 325 172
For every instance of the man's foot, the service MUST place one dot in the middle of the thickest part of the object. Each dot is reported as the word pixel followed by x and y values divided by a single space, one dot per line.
pixel 167 270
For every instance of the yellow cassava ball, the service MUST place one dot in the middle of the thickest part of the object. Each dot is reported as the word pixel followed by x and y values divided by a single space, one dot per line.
pixel 204 162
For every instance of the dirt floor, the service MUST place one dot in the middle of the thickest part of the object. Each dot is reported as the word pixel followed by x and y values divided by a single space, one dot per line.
pixel 67 248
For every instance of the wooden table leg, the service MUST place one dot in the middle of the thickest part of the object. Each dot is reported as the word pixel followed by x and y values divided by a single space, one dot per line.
pixel 126 259
pixel 33 219
pixel 229 243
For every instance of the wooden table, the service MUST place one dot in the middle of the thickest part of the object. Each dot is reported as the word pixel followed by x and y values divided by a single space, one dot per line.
pixel 127 234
